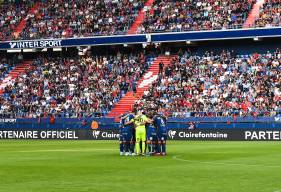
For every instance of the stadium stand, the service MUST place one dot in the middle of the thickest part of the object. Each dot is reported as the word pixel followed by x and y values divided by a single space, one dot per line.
pixel 127 102
pixel 253 15
pixel 222 84
pixel 13 71
pixel 185 15
pixel 5 66
pixel 22 23
pixel 140 18
pixel 11 14
pixel 71 87
pixel 190 84
pixel 10 67
pixel 269 14
pixel 58 19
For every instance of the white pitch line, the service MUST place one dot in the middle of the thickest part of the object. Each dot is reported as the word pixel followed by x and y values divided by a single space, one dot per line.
pixel 224 163
pixel 64 150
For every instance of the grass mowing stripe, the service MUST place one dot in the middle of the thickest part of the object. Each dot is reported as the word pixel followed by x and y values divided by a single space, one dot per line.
pixel 64 150
pixel 224 163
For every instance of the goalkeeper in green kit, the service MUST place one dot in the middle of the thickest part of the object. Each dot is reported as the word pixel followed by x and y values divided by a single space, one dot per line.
pixel 139 121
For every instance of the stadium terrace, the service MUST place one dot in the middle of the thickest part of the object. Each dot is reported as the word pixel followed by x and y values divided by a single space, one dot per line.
pixel 188 86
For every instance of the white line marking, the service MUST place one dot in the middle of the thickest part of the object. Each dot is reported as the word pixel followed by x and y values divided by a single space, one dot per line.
pixel 64 150
pixel 224 163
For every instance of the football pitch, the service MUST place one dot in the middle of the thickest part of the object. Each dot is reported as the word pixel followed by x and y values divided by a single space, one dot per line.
pixel 45 166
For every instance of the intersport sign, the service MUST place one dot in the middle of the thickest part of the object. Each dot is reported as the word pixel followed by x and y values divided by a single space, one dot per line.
pixel 35 44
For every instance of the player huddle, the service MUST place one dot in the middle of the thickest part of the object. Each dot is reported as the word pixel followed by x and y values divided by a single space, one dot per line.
pixel 143 135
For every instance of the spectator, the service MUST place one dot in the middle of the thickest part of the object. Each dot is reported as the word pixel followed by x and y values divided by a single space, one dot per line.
pixel 134 87
pixel 161 66
pixel 52 119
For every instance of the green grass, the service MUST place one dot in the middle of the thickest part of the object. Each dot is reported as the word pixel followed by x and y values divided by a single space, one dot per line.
pixel 27 166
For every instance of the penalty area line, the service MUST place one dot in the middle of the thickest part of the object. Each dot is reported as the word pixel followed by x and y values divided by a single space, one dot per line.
pixel 223 163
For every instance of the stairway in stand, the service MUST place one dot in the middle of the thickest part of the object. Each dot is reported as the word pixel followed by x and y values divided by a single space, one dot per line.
pixel 13 74
pixel 126 103
pixel 22 23
pixel 254 14
pixel 140 18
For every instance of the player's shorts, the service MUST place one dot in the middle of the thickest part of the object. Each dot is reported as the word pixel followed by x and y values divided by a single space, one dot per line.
pixel 140 135
pixel 127 135
pixel 151 137
pixel 162 135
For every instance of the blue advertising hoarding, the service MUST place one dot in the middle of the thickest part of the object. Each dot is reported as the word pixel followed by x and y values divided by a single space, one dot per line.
pixel 173 123
pixel 143 38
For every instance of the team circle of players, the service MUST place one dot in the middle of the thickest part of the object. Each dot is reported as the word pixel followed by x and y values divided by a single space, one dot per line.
pixel 143 135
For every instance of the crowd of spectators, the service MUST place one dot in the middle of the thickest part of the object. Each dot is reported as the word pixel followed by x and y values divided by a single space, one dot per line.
pixel 195 15
pixel 72 87
pixel 217 85
pixel 11 13
pixel 269 14
pixel 5 66
pixel 212 84
pixel 81 18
